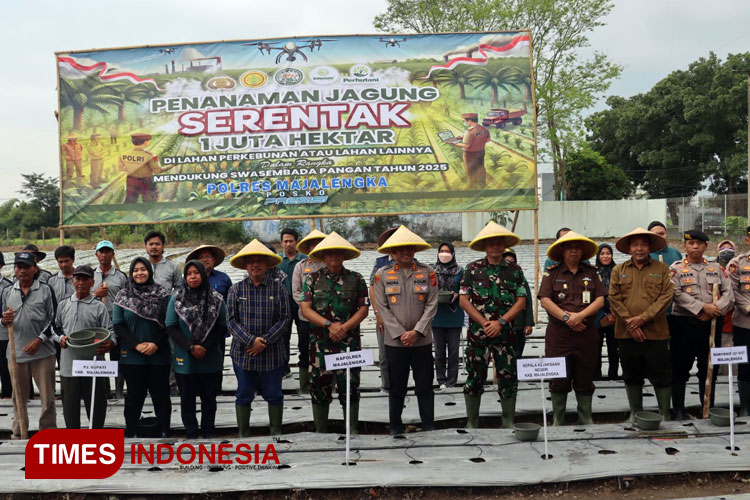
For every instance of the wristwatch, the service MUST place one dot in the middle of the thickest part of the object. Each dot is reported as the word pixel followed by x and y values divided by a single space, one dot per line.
pixel 503 322
pixel 328 323
pixel 565 317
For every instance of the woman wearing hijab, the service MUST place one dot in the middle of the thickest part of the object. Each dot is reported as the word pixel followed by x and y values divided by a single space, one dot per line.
pixel 447 323
pixel 138 319
pixel 605 319
pixel 197 322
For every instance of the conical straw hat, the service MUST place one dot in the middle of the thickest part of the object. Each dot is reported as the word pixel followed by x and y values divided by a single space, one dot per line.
pixel 386 234
pixel 255 247
pixel 655 241
pixel 589 247
pixel 217 252
pixel 304 244
pixel 404 238
pixel 493 230
pixel 334 241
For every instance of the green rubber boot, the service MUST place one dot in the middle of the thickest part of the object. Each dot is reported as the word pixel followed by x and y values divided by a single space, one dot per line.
pixel 320 416
pixel 353 418
pixel 275 417
pixel 304 381
pixel 559 401
pixel 509 411
pixel 664 399
pixel 584 408
pixel 243 420
pixel 635 401
pixel 744 389
pixel 472 410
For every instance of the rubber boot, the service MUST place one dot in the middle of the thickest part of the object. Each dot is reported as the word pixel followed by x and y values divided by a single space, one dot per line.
pixel 353 417
pixel 426 405
pixel 304 381
pixel 119 386
pixel 320 416
pixel 635 401
pixel 472 410
pixel 663 399
pixel 744 390
pixel 678 402
pixel 584 408
pixel 275 417
pixel 509 411
pixel 243 420
pixel 559 401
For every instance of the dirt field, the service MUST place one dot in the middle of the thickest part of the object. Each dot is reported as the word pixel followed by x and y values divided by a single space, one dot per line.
pixel 642 488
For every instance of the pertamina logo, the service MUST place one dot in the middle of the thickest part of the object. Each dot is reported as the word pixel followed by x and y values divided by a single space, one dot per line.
pixel 253 79
pixel 288 77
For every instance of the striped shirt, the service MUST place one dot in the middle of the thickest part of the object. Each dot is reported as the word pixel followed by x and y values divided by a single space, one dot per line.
pixel 258 311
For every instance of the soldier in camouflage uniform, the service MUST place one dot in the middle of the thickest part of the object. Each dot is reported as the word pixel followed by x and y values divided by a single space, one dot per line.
pixel 335 301
pixel 493 295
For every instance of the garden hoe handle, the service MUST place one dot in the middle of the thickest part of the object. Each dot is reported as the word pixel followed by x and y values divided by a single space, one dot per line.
pixel 710 369
pixel 23 426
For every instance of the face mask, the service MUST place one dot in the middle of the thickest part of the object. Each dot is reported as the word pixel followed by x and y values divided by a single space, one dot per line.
pixel 726 254
pixel 445 257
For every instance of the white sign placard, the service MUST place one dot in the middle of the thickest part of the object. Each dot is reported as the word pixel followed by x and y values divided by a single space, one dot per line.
pixel 350 359
pixel 729 355
pixel 541 368
pixel 94 368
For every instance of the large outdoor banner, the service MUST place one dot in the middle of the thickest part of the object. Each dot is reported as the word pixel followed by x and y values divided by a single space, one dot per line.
pixel 315 126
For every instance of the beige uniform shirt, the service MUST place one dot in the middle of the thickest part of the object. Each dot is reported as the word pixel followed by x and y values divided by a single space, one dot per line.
pixel 739 275
pixel 95 151
pixel 301 271
pixel 694 284
pixel 139 163
pixel 406 300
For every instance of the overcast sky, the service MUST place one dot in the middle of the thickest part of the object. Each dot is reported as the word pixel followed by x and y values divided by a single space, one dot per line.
pixel 650 38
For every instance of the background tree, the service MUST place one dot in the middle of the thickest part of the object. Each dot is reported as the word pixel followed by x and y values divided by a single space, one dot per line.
pixel 566 83
pixel 592 178
pixel 43 194
pixel 506 79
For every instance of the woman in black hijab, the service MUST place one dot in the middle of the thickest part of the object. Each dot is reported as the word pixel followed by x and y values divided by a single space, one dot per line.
pixel 449 320
pixel 196 323
pixel 605 319
pixel 138 319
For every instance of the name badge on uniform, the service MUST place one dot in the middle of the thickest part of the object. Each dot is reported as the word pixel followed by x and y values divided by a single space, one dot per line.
pixel 586 297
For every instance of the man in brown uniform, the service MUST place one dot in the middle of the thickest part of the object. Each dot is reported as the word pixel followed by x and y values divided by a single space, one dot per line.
pixel 73 154
pixel 406 296
pixel 640 291
pixel 572 293
pixel 694 280
pixel 95 149
pixel 473 143
pixel 140 165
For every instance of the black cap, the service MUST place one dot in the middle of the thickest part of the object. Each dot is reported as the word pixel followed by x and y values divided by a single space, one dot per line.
pixel 27 258
pixel 695 234
pixel 84 270
pixel 33 248
pixel 654 224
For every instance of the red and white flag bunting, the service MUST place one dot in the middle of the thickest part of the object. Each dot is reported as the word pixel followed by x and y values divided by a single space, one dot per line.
pixel 513 47
pixel 69 66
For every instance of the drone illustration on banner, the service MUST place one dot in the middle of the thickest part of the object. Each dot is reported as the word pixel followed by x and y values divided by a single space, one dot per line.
pixel 167 51
pixel 392 42
pixel 290 49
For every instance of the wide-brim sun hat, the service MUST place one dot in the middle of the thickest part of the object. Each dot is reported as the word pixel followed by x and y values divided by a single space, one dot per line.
pixel 255 247
pixel 217 252
pixel 494 230
pixel 588 251
pixel 387 234
pixel 334 241
pixel 655 241
pixel 403 237
pixel 304 244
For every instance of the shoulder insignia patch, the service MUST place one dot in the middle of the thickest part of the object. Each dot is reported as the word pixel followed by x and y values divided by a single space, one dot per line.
pixel 433 278
pixel 377 278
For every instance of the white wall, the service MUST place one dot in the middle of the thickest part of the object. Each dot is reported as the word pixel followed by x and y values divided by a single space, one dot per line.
pixel 595 218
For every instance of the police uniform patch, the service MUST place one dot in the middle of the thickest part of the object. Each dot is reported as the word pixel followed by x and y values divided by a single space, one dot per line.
pixel 732 268
pixel 433 278
pixel 421 297
pixel 377 278
pixel 710 269
pixel 688 289
pixel 394 299
pixel 308 269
